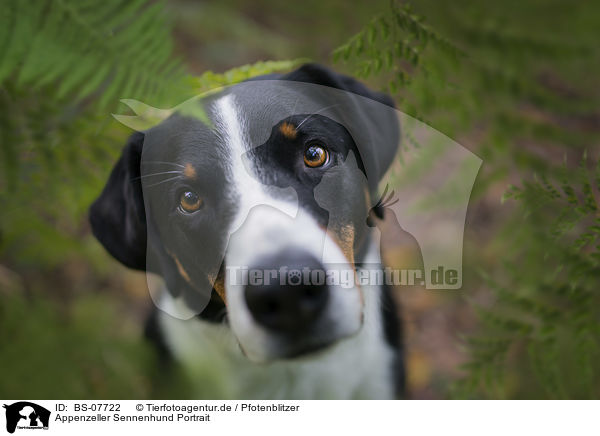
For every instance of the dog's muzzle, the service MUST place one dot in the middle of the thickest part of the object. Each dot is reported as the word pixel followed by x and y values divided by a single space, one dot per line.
pixel 294 308
pixel 292 297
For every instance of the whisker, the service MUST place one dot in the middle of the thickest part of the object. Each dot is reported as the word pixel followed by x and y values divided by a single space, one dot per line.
pixel 382 197
pixel 390 196
pixel 162 162
pixel 155 174
pixel 295 104
pixel 163 181
pixel 393 202
pixel 313 114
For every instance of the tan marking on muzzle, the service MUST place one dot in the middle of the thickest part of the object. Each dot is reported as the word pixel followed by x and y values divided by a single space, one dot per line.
pixel 218 284
pixel 189 171
pixel 182 272
pixel 218 281
pixel 288 130
pixel 344 238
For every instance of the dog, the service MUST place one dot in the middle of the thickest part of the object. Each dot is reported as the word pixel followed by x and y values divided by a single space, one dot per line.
pixel 263 177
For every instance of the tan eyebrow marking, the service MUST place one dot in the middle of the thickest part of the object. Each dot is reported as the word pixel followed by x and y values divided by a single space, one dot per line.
pixel 189 171
pixel 288 130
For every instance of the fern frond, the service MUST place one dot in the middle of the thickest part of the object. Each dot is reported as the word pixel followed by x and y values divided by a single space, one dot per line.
pixel 82 48
pixel 211 80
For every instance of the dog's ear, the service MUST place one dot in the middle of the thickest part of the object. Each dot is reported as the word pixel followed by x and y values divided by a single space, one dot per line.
pixel 380 121
pixel 320 75
pixel 117 217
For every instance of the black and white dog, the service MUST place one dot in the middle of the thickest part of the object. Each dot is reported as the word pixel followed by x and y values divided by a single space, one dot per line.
pixel 263 175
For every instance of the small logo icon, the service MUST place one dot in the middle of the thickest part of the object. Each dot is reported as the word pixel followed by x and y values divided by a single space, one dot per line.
pixel 26 415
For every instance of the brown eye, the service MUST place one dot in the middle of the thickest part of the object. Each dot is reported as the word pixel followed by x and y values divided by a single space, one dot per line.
pixel 190 202
pixel 315 156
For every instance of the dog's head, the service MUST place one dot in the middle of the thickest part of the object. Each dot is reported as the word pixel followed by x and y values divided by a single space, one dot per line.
pixel 246 208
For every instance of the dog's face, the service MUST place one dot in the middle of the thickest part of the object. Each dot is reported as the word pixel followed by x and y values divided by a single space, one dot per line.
pixel 246 209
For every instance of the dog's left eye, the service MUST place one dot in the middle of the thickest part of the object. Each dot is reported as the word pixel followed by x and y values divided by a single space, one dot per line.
pixel 189 201
pixel 315 155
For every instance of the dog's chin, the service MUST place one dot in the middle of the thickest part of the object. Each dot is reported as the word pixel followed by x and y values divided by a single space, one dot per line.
pixel 297 350
pixel 304 351
pixel 296 353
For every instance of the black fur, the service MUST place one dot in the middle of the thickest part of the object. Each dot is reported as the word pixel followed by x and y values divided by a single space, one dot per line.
pixel 117 217
pixel 377 161
pixel 392 327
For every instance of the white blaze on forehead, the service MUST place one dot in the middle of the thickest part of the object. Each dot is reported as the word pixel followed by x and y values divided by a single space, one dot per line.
pixel 270 219
pixel 233 128
pixel 267 222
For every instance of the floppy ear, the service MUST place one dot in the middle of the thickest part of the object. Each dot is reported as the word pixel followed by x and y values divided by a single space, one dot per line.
pixel 382 122
pixel 117 217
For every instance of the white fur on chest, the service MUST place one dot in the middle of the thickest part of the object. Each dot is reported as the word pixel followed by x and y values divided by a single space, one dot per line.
pixel 359 367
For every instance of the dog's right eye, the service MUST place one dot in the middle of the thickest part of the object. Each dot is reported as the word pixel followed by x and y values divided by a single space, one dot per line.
pixel 190 202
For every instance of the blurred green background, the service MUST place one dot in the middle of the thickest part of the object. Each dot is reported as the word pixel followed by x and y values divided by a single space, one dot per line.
pixel 515 82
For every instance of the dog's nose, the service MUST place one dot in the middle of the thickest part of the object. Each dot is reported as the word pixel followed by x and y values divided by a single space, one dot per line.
pixel 292 294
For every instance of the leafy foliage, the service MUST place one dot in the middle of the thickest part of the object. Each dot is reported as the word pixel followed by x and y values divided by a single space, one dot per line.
pixel 519 95
pixel 506 77
pixel 147 116
pixel 63 64
pixel 57 85
pixel 514 81
pixel 393 43
pixel 94 351
pixel 546 301
pixel 210 80
pixel 81 48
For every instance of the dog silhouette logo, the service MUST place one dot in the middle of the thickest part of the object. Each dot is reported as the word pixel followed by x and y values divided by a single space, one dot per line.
pixel 26 415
